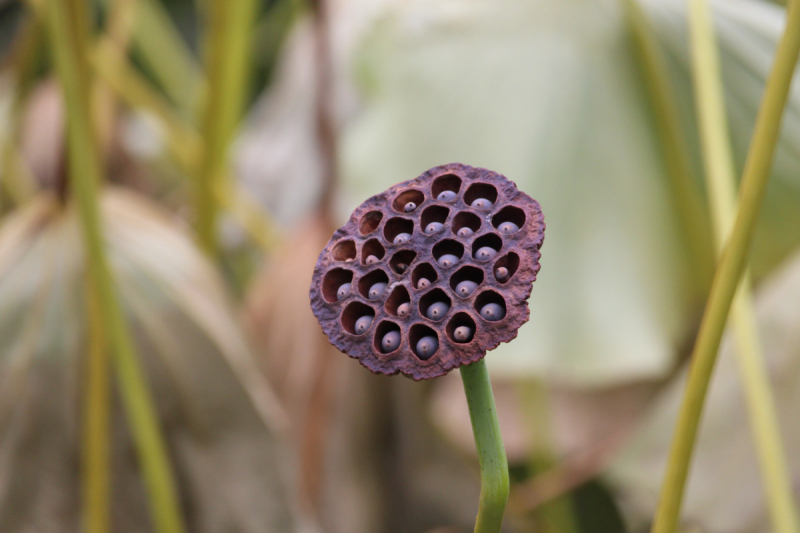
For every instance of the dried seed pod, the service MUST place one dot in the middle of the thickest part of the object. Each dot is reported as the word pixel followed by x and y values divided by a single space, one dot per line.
pixel 456 288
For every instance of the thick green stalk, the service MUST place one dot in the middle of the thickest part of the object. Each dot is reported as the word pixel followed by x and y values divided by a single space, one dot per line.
pixel 230 31
pixel 729 271
pixel 720 178
pixel 489 442
pixel 68 28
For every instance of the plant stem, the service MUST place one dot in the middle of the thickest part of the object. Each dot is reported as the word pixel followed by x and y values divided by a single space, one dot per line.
pixel 729 271
pixel 68 28
pixel 720 178
pixel 489 442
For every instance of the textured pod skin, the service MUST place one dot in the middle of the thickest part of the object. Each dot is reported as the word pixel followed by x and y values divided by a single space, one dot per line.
pixel 378 218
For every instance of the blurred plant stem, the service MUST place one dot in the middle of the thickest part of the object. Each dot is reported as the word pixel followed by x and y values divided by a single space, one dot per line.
pixel 692 214
pixel 67 23
pixel 729 271
pixel 489 443
pixel 721 183
pixel 96 445
pixel 229 34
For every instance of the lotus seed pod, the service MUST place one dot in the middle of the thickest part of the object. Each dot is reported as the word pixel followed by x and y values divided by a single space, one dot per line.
pixel 481 203
pixel 493 312
pixel 486 307
pixel 448 260
pixel 437 310
pixel 508 228
pixel 363 324
pixel 462 334
pixel 485 253
pixel 402 237
pixel 446 196
pixel 390 341
pixel 465 288
pixel 343 290
pixel 433 227
pixel 427 346
pixel 501 273
pixel 376 291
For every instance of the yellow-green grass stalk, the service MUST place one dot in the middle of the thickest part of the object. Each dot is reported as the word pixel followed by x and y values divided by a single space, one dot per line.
pixel 67 23
pixel 729 271
pixel 721 184
pixel 229 35
pixel 692 213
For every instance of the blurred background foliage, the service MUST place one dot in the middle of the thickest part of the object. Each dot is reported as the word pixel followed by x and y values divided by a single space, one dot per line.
pixel 235 136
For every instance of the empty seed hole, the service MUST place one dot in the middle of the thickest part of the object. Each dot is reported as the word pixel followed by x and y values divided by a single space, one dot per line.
pixel 435 305
pixel 371 280
pixel 410 195
pixel 461 328
pixel 402 260
pixel 387 337
pixel 398 226
pixel 344 250
pixel 505 267
pixel 333 280
pixel 484 303
pixel 433 215
pixel 369 222
pixel 486 247
pixel 448 252
pixel 372 252
pixel 426 272
pixel 480 190
pixel 466 221
pixel 396 299
pixel 423 340
pixel 448 182
pixel 509 220
pixel 466 281
pixel 353 313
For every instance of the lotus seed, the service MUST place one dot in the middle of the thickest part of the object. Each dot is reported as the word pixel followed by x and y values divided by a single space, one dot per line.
pixel 485 253
pixel 448 260
pixel 465 232
pixel 501 273
pixel 403 309
pixel 482 203
pixel 401 267
pixel 447 196
pixel 363 324
pixel 508 228
pixel 402 237
pixel 376 291
pixel 465 288
pixel 427 346
pixel 433 227
pixel 344 290
pixel 390 341
pixel 410 206
pixel 462 334
pixel 437 310
pixel 423 283
pixel 371 260
pixel 493 312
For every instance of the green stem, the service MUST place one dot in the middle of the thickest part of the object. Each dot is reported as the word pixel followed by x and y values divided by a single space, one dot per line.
pixel 489 442
pixel 720 178
pixel 68 28
pixel 729 271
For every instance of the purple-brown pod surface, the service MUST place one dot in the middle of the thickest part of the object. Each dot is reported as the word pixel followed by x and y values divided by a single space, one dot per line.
pixel 366 290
